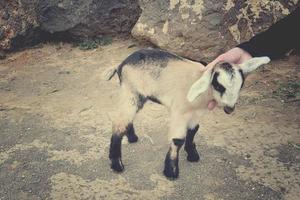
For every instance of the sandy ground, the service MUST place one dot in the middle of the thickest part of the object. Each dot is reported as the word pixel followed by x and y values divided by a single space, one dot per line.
pixel 55 129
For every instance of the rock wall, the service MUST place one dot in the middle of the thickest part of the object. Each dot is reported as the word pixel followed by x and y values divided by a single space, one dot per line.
pixel 202 29
pixel 88 18
pixel 198 29
pixel 18 21
pixel 23 22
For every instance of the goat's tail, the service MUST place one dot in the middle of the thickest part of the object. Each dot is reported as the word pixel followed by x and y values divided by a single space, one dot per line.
pixel 109 73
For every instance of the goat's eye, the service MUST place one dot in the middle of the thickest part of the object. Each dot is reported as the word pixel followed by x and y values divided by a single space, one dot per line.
pixel 220 88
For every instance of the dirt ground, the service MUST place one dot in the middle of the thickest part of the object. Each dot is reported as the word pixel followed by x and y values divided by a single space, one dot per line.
pixel 55 129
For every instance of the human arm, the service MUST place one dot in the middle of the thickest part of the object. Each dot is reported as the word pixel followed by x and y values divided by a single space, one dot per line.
pixel 280 38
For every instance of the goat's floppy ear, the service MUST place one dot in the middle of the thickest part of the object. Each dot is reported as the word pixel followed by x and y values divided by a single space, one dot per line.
pixel 200 86
pixel 254 63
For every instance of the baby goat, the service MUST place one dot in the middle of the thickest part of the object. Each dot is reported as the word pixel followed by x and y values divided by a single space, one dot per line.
pixel 185 87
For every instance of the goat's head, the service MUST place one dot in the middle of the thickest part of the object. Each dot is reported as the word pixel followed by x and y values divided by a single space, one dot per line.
pixel 225 80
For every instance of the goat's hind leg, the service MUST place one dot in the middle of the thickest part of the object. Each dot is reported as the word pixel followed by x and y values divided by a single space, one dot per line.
pixel 129 104
pixel 130 133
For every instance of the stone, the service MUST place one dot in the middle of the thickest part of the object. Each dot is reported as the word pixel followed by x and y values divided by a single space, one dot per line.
pixel 18 22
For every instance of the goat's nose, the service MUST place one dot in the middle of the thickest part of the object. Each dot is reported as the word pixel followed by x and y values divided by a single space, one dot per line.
pixel 228 109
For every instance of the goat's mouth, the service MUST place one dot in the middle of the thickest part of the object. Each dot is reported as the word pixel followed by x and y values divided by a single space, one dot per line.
pixel 228 109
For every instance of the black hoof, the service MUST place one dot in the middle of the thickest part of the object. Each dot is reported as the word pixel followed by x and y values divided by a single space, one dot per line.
pixel 171 168
pixel 117 165
pixel 171 171
pixel 192 153
pixel 193 157
pixel 130 133
pixel 132 138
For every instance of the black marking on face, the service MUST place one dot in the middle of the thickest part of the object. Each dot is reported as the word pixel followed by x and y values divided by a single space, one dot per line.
pixel 217 86
pixel 243 77
pixel 227 67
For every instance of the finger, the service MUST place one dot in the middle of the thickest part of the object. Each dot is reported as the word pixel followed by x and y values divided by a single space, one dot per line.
pixel 228 57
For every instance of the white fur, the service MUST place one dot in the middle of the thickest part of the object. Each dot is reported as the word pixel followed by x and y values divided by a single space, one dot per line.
pixel 171 88
pixel 253 63
pixel 184 87
pixel 200 85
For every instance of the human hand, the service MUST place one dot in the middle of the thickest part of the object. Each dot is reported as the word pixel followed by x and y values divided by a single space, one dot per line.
pixel 235 55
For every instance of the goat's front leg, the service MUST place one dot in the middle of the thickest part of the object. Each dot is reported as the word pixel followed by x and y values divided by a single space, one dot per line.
pixel 115 151
pixel 171 161
pixel 190 147
pixel 177 133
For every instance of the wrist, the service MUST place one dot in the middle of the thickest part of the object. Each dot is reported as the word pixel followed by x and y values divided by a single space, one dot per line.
pixel 247 49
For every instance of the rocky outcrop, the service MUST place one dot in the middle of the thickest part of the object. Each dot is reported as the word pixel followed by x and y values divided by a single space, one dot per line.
pixel 23 22
pixel 88 18
pixel 18 23
pixel 202 29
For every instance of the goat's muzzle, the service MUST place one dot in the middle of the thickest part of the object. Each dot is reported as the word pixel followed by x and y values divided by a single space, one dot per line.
pixel 228 109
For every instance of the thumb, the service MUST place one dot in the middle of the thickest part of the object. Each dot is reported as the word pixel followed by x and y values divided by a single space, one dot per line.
pixel 211 104
pixel 218 59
